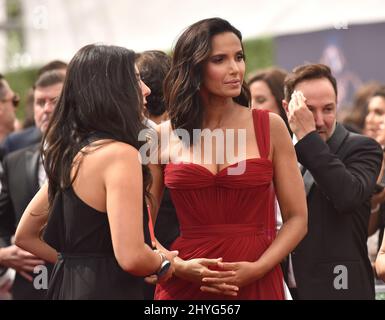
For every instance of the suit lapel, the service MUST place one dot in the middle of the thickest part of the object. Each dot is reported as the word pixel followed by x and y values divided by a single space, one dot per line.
pixel 335 142
pixel 308 180
pixel 32 168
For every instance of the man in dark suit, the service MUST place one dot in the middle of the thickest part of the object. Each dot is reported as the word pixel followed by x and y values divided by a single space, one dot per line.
pixel 340 171
pixel 8 104
pixel 30 135
pixel 23 176
pixel 21 139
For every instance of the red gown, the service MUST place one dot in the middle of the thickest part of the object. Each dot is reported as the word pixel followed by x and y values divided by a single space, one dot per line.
pixel 228 216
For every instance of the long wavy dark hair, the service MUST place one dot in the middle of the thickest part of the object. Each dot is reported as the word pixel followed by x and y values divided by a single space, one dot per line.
pixel 101 94
pixel 182 83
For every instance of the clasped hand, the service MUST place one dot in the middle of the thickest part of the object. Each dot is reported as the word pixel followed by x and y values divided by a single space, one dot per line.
pixel 242 274
pixel 226 279
pixel 195 270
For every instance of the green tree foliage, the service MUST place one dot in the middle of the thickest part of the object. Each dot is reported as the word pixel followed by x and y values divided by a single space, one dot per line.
pixel 20 81
pixel 259 54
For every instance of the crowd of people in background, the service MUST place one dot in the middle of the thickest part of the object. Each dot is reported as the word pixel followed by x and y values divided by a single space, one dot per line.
pixel 282 209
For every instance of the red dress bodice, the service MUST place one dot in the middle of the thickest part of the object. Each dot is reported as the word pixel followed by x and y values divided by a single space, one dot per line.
pixel 225 215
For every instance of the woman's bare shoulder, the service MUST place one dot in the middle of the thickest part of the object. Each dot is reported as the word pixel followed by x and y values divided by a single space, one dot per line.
pixel 279 133
pixel 108 151
pixel 276 122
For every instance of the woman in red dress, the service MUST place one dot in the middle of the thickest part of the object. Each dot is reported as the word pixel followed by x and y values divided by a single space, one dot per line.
pixel 227 246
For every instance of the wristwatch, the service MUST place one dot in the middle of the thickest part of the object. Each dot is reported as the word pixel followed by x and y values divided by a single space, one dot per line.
pixel 164 266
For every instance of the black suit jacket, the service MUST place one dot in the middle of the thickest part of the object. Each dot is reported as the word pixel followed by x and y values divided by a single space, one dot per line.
pixel 19 140
pixel 19 185
pixel 345 170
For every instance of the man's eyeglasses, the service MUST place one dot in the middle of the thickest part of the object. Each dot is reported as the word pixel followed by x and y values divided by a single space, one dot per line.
pixel 15 100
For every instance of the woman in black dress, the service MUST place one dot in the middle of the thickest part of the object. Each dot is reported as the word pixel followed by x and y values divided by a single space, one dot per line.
pixel 93 204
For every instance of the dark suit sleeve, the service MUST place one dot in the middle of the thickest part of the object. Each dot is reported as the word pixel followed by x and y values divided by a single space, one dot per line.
pixel 6 146
pixel 346 184
pixel 7 214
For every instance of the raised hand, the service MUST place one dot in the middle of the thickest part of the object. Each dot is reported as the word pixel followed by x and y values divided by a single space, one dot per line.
pixel 300 118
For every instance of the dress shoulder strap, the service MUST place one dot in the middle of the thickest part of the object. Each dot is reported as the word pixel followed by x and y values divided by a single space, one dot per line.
pixel 95 136
pixel 262 131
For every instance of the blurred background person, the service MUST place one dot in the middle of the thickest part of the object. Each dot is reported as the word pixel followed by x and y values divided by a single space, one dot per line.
pixel 354 118
pixel 9 100
pixel 375 118
pixel 53 65
pixel 23 176
pixel 266 90
pixel 153 66
pixel 375 128
pixel 31 133
pixel 29 120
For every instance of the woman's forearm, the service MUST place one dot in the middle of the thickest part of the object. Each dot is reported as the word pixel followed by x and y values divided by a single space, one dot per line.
pixel 139 260
pixel 291 233
pixel 39 248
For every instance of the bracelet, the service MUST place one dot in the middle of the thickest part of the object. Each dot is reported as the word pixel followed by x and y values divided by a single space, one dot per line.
pixel 164 265
pixel 162 258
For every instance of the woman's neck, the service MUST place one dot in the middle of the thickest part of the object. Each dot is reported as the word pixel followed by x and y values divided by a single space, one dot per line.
pixel 217 111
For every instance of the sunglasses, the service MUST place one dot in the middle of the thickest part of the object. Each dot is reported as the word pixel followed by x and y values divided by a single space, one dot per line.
pixel 15 100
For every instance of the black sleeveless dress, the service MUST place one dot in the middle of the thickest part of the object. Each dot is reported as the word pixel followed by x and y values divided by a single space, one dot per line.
pixel 86 266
